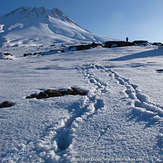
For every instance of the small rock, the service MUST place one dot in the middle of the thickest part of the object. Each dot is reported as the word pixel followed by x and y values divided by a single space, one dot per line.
pixel 37 53
pixel 160 70
pixel 84 47
pixel 8 54
pixel 27 54
pixel 42 95
pixel 6 104
pixel 53 93
pixel 78 91
pixel 32 96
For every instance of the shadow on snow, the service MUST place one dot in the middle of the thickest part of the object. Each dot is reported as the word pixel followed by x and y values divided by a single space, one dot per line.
pixel 150 53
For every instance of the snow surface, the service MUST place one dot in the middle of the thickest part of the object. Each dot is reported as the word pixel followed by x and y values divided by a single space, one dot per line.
pixel 27 26
pixel 120 120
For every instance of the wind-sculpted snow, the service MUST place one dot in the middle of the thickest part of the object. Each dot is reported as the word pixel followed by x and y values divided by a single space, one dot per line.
pixel 140 108
pixel 118 120
pixel 140 102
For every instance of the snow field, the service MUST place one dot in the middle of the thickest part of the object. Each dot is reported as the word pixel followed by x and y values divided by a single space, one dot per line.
pixel 119 120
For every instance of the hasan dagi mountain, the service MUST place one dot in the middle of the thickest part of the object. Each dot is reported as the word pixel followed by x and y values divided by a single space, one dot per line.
pixel 39 26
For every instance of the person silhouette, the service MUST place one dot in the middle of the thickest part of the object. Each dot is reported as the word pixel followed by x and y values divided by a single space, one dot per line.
pixel 126 39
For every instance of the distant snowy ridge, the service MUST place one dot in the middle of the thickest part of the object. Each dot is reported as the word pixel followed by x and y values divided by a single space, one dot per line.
pixel 28 26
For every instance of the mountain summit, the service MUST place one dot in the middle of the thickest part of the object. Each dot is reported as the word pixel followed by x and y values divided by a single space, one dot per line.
pixel 37 13
pixel 37 26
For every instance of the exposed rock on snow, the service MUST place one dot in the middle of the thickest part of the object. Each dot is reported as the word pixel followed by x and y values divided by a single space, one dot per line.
pixel 141 42
pixel 84 47
pixel 6 104
pixel 7 56
pixel 52 51
pixel 111 44
pixel 56 93
pixel 30 54
pixel 65 49
pixel 160 70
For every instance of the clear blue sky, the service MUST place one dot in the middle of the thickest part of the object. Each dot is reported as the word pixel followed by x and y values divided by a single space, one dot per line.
pixel 137 19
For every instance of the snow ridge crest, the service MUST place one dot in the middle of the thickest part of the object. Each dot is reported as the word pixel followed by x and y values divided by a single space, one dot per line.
pixel 40 12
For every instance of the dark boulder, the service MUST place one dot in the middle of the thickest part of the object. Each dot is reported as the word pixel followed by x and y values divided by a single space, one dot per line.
pixel 31 54
pixel 157 44
pixel 77 91
pixel 140 42
pixel 42 95
pixel 53 93
pixel 27 54
pixel 37 53
pixel 84 47
pixel 6 104
pixel 57 93
pixel 8 54
pixel 112 44
pixel 160 70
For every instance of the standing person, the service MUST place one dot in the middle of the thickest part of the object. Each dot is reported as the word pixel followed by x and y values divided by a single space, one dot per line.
pixel 126 39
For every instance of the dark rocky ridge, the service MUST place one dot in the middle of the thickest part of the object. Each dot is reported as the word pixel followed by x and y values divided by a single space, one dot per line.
pixel 57 93
pixel 6 104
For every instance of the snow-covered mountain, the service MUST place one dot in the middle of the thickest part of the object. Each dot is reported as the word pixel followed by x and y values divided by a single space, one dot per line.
pixel 37 26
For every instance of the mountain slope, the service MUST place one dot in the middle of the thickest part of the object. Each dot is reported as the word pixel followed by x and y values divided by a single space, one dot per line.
pixel 37 26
